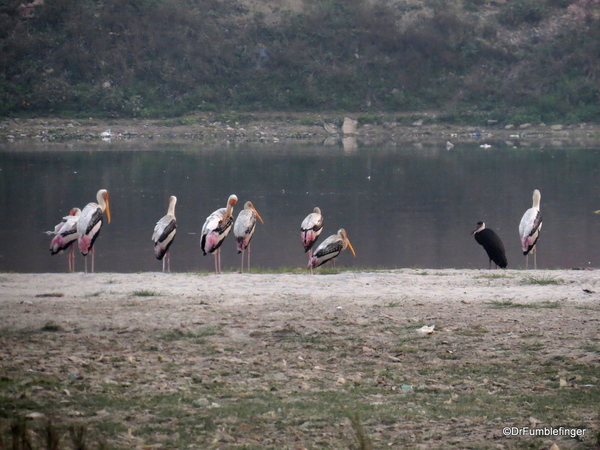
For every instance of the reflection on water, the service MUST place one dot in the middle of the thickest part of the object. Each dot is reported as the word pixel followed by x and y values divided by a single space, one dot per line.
pixel 402 207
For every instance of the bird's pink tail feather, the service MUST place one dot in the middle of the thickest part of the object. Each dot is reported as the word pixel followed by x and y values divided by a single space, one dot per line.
pixel 57 242
pixel 84 244
pixel 307 237
pixel 211 242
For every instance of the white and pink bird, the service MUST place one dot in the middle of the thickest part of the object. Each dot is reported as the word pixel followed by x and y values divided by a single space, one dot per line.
pixel 311 228
pixel 215 230
pixel 65 236
pixel 529 229
pixel 89 224
pixel 164 234
pixel 243 229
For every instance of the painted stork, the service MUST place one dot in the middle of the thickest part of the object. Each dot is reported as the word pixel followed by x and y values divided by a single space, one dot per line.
pixel 164 235
pixel 529 229
pixel 311 228
pixel 243 229
pixel 65 235
pixel 215 230
pixel 90 223
pixel 330 248
pixel 492 244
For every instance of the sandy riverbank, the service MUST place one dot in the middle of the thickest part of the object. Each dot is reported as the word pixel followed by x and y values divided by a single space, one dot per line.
pixel 525 343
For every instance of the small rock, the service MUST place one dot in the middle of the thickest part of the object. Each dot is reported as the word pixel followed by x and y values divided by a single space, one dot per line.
pixel 524 126
pixel 201 402
pixel 349 126
pixel 557 127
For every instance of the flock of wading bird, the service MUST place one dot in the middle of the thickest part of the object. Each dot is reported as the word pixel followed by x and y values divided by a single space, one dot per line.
pixel 84 227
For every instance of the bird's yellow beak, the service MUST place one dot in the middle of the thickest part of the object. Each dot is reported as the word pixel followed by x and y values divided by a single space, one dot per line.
pixel 107 210
pixel 257 215
pixel 351 248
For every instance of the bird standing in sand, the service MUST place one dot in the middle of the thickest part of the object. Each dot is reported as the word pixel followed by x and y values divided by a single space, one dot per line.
pixel 529 229
pixel 330 248
pixel 89 224
pixel 65 236
pixel 243 229
pixel 311 228
pixel 491 243
pixel 215 230
pixel 164 235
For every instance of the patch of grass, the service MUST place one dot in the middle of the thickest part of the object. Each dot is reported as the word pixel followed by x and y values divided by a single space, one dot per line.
pixel 494 276
pixel 542 281
pixel 51 326
pixel 363 442
pixel 504 304
pixel 94 294
pixel 593 348
pixel 327 271
pixel 476 330
pixel 145 293
pixel 507 304
pixel 197 335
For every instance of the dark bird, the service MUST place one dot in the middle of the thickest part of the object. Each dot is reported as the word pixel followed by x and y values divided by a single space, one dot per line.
pixel 243 229
pixel 330 248
pixel 215 230
pixel 529 229
pixel 490 241
pixel 90 223
pixel 164 235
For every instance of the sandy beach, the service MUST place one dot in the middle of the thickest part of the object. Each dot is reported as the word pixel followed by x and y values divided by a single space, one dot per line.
pixel 509 348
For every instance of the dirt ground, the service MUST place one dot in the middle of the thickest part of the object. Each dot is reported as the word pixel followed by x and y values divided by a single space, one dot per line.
pixel 294 361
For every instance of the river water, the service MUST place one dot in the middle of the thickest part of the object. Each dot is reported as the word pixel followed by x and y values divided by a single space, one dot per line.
pixel 402 206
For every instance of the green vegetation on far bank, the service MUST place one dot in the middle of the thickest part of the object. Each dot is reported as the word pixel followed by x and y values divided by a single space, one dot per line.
pixel 518 61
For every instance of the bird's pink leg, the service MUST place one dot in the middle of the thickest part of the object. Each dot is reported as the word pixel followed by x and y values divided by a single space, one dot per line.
pixel 169 261
pixel 248 266
pixel 534 258
pixel 72 259
pixel 216 258
pixel 242 261
pixel 92 252
pixel 85 263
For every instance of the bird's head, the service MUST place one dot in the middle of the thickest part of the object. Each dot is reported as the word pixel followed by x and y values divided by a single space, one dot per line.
pixel 480 226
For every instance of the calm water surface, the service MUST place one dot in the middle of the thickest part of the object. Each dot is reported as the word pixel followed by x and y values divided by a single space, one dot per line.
pixel 401 206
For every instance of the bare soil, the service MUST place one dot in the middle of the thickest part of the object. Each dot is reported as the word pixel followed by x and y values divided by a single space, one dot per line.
pixel 294 361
